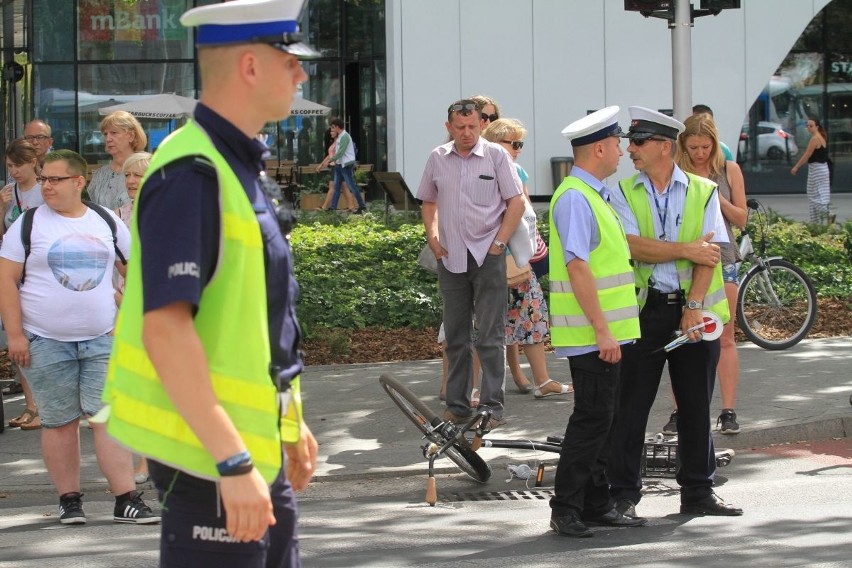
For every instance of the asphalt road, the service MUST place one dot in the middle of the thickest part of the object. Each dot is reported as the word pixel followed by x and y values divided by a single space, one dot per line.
pixel 797 500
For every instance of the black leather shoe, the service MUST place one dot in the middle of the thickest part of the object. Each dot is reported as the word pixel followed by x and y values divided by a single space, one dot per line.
pixel 570 525
pixel 710 505
pixel 626 507
pixel 613 518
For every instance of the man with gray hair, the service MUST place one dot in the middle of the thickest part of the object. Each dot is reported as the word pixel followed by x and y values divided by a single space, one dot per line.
pixel 472 203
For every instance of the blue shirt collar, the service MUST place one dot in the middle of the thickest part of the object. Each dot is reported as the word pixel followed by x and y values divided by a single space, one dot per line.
pixel 678 181
pixel 591 181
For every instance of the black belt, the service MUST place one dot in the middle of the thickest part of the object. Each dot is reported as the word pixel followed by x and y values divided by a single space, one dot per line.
pixel 671 298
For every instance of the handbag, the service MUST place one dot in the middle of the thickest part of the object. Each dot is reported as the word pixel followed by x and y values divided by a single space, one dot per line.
pixel 426 259
pixel 515 274
pixel 522 242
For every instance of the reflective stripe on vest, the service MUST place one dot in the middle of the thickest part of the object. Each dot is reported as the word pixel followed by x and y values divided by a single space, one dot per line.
pixel 609 264
pixel 231 322
pixel 699 192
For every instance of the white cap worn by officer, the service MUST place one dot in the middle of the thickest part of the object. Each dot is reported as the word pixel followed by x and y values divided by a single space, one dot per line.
pixel 646 123
pixel 593 127
pixel 273 22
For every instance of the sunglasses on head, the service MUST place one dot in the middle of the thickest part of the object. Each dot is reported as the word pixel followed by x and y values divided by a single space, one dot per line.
pixel 464 107
pixel 489 117
pixel 516 144
pixel 641 141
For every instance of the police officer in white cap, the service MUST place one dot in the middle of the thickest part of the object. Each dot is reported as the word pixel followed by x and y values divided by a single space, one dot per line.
pixel 204 377
pixel 593 313
pixel 671 219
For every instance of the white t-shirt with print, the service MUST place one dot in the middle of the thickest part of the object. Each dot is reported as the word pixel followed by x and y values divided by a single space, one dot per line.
pixel 67 294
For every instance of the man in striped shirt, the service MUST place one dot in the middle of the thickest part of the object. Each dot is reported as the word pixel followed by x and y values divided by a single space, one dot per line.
pixel 472 204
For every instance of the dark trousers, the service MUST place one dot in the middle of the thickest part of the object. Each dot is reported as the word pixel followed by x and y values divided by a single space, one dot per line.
pixel 193 531
pixel 692 368
pixel 581 483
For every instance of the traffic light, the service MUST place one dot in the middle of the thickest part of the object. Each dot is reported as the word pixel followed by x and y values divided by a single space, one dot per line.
pixel 720 4
pixel 647 6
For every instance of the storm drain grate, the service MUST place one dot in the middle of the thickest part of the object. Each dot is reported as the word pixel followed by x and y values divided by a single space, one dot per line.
pixel 513 495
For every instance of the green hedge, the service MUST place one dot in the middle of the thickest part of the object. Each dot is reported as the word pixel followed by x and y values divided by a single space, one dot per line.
pixel 357 271
pixel 361 273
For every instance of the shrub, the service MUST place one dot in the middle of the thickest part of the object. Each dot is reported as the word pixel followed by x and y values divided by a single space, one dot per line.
pixel 357 271
pixel 361 273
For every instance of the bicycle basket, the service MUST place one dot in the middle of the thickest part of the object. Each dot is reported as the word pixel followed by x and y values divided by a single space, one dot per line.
pixel 659 458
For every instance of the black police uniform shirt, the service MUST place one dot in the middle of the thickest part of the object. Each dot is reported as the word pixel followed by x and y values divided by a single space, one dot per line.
pixel 179 233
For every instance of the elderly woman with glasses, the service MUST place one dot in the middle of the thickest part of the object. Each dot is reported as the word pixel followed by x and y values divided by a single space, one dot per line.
pixel 124 136
pixel 527 315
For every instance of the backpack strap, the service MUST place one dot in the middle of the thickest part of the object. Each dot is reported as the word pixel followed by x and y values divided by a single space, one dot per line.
pixel 26 234
pixel 100 210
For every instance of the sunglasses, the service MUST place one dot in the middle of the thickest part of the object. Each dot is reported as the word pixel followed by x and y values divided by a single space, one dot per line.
pixel 516 144
pixel 489 117
pixel 464 107
pixel 641 141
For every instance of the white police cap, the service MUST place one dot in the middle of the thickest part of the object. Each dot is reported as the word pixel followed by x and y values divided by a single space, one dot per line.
pixel 593 127
pixel 274 22
pixel 645 123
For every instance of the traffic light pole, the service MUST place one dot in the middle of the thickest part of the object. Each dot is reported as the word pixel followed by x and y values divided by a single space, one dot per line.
pixel 682 59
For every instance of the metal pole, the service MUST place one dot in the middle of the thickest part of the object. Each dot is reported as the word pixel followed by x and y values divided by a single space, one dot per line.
pixel 682 59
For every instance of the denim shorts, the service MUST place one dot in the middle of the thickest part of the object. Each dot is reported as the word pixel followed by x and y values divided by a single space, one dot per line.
pixel 729 273
pixel 67 377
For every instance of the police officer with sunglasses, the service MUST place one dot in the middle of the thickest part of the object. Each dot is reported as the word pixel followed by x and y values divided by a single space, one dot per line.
pixel 672 220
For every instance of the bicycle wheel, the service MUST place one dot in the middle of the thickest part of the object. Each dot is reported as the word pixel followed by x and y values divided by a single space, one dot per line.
pixel 776 306
pixel 460 453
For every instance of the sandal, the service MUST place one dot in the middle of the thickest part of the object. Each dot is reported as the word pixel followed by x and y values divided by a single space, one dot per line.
pixel 34 424
pixel 26 417
pixel 559 388
pixel 524 387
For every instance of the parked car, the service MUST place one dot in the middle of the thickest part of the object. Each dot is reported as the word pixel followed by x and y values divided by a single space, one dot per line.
pixel 773 142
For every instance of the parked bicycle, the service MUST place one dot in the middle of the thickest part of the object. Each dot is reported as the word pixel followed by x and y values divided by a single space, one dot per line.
pixel 776 305
pixel 445 439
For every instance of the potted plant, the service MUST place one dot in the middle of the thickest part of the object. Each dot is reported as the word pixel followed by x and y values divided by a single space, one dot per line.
pixel 312 193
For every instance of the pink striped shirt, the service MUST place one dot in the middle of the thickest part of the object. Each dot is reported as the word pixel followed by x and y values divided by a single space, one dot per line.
pixel 471 192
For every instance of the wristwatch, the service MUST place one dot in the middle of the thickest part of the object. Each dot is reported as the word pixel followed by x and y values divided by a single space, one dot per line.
pixel 694 305
pixel 500 245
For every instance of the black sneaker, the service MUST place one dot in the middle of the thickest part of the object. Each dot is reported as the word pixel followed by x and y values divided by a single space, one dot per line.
pixel 130 508
pixel 727 422
pixel 71 509
pixel 670 429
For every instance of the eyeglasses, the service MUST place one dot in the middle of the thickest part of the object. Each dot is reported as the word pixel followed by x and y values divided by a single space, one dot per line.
pixel 516 144
pixel 464 107
pixel 36 138
pixel 53 180
pixel 641 141
pixel 489 117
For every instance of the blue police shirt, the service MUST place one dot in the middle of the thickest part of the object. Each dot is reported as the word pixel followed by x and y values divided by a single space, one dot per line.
pixel 179 232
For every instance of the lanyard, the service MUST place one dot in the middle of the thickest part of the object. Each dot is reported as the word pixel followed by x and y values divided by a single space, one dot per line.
pixel 660 215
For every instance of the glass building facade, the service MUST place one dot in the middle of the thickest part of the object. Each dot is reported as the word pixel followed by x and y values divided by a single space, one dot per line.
pixel 813 81
pixel 79 56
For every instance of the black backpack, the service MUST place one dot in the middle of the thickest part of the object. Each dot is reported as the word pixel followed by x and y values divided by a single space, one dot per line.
pixel 27 231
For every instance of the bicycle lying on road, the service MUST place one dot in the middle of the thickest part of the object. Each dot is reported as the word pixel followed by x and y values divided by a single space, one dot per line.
pixel 445 439
pixel 776 305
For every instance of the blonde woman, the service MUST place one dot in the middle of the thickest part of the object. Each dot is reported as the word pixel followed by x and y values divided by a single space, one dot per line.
pixel 699 152
pixel 527 315
pixel 134 170
pixel 123 135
